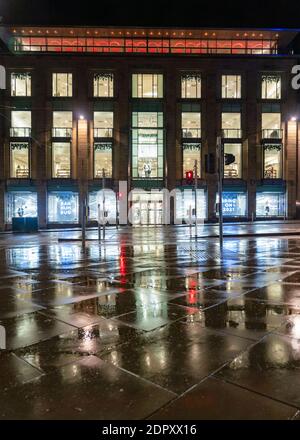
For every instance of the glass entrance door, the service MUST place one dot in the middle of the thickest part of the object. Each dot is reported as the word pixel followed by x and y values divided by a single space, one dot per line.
pixel 147 209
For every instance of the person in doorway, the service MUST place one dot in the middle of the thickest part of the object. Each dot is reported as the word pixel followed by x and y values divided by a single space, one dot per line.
pixel 267 209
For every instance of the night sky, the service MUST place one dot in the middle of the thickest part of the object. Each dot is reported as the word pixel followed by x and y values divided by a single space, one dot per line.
pixel 194 13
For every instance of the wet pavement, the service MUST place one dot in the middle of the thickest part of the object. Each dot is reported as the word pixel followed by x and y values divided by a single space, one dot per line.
pixel 150 324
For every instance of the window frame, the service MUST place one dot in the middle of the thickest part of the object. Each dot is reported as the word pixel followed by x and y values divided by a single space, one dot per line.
pixel 112 160
pixel 55 75
pixel 11 161
pixel 263 160
pixel 185 77
pixel 28 75
pixel 142 74
pixel 52 160
pixel 199 168
pixel 111 89
pixel 266 75
pixel 223 87
pixel 241 164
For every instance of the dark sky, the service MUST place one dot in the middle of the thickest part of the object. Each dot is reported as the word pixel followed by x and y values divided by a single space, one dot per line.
pixel 195 13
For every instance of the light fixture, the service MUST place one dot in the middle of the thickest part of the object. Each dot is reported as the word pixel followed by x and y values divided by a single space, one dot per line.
pixel 81 117
pixel 293 118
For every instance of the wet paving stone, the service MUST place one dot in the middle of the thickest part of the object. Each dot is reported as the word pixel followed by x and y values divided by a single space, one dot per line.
pixel 15 371
pixel 277 293
pixel 270 367
pixel 61 350
pixel 214 399
pixel 155 315
pixel 31 328
pixel 240 317
pixel 177 356
pixel 89 389
pixel 11 307
pixel 149 324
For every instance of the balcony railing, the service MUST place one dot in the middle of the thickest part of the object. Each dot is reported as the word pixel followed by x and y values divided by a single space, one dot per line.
pixel 272 133
pixel 64 132
pixel 22 173
pixel 20 132
pixel 103 132
pixel 191 132
pixel 62 173
pixel 232 133
pixel 99 173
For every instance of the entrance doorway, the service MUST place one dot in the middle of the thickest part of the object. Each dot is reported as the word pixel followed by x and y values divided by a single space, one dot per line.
pixel 147 209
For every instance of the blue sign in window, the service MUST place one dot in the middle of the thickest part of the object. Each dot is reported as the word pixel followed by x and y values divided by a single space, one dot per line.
pixel 234 204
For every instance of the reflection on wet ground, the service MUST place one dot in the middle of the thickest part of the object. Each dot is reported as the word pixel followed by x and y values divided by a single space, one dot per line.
pixel 149 324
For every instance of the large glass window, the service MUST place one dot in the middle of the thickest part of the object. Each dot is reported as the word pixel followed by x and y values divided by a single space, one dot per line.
pixel 63 207
pixel 271 87
pixel 20 84
pixel 21 204
pixel 147 85
pixel 272 161
pixel 231 125
pixel 185 205
pixel 231 86
pixel 61 160
pixel 62 124
pixel 191 153
pixel 271 125
pixel 270 204
pixel 97 198
pixel 103 85
pixel 147 145
pixel 234 170
pixel 20 123
pixel 234 204
pixel 62 84
pixel 102 159
pixel 19 160
pixel 191 124
pixel 190 86
pixel 103 124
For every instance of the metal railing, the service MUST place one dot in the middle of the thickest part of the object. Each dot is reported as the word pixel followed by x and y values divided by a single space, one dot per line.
pixel 191 133
pixel 64 132
pixel 103 132
pixel 232 133
pixel 20 132
pixel 272 133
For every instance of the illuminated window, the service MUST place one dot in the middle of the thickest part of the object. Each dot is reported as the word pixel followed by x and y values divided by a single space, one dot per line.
pixel 234 152
pixel 63 207
pixel 103 124
pixel 103 85
pixel 271 125
pixel 231 86
pixel 272 161
pixel 190 86
pixel 271 87
pixel 270 204
pixel 21 84
pixel 147 145
pixel 21 204
pixel 62 84
pixel 191 153
pixel 61 160
pixel 102 160
pixel 147 85
pixel 191 124
pixel 62 124
pixel 19 160
pixel 234 203
pixel 231 125
pixel 20 123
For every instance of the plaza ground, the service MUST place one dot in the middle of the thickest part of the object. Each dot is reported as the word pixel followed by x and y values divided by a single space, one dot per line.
pixel 151 324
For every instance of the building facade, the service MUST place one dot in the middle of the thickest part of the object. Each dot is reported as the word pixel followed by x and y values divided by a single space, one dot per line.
pixel 87 107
